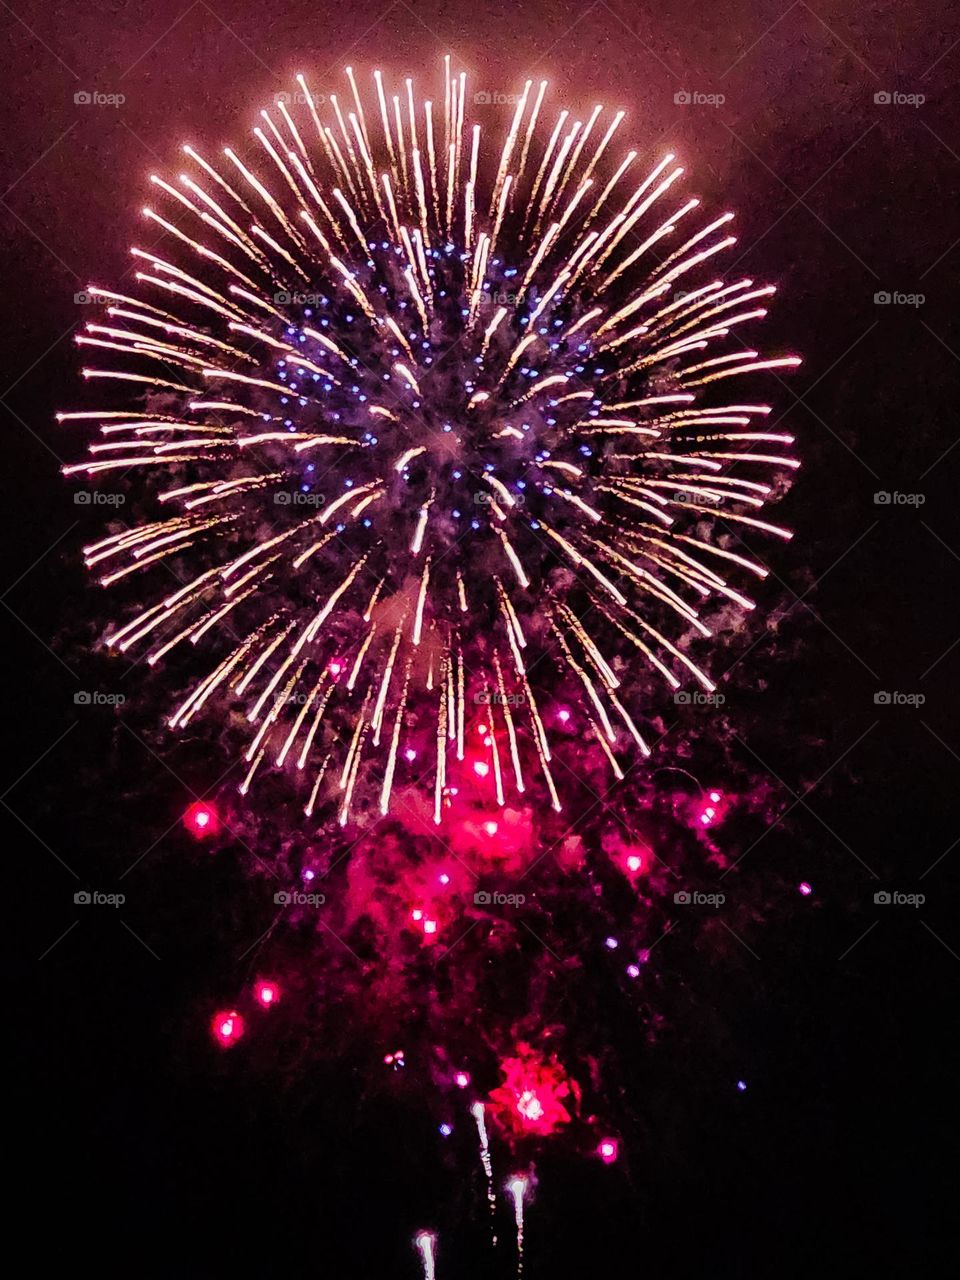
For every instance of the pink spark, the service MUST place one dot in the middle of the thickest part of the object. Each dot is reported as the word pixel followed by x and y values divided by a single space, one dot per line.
pixel 201 820
pixel 227 1027
pixel 533 1095
pixel 267 993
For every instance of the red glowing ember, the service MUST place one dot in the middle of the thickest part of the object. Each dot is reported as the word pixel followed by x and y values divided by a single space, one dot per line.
pixel 607 1150
pixel 532 1097
pixel 227 1028
pixel 201 820
pixel 267 993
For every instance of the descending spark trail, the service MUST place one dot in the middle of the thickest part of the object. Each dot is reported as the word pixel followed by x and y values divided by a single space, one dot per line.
pixel 426 1243
pixel 478 1114
pixel 518 1188
pixel 447 418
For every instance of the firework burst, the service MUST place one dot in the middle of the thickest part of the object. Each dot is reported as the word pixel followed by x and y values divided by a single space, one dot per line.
pixel 433 434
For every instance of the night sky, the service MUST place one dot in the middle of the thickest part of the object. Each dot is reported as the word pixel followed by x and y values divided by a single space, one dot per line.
pixel 145 1151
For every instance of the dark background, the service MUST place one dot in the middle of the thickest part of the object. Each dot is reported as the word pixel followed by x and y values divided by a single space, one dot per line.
pixel 146 1152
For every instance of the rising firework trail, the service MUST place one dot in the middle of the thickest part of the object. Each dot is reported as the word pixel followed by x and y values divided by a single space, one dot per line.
pixel 427 423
